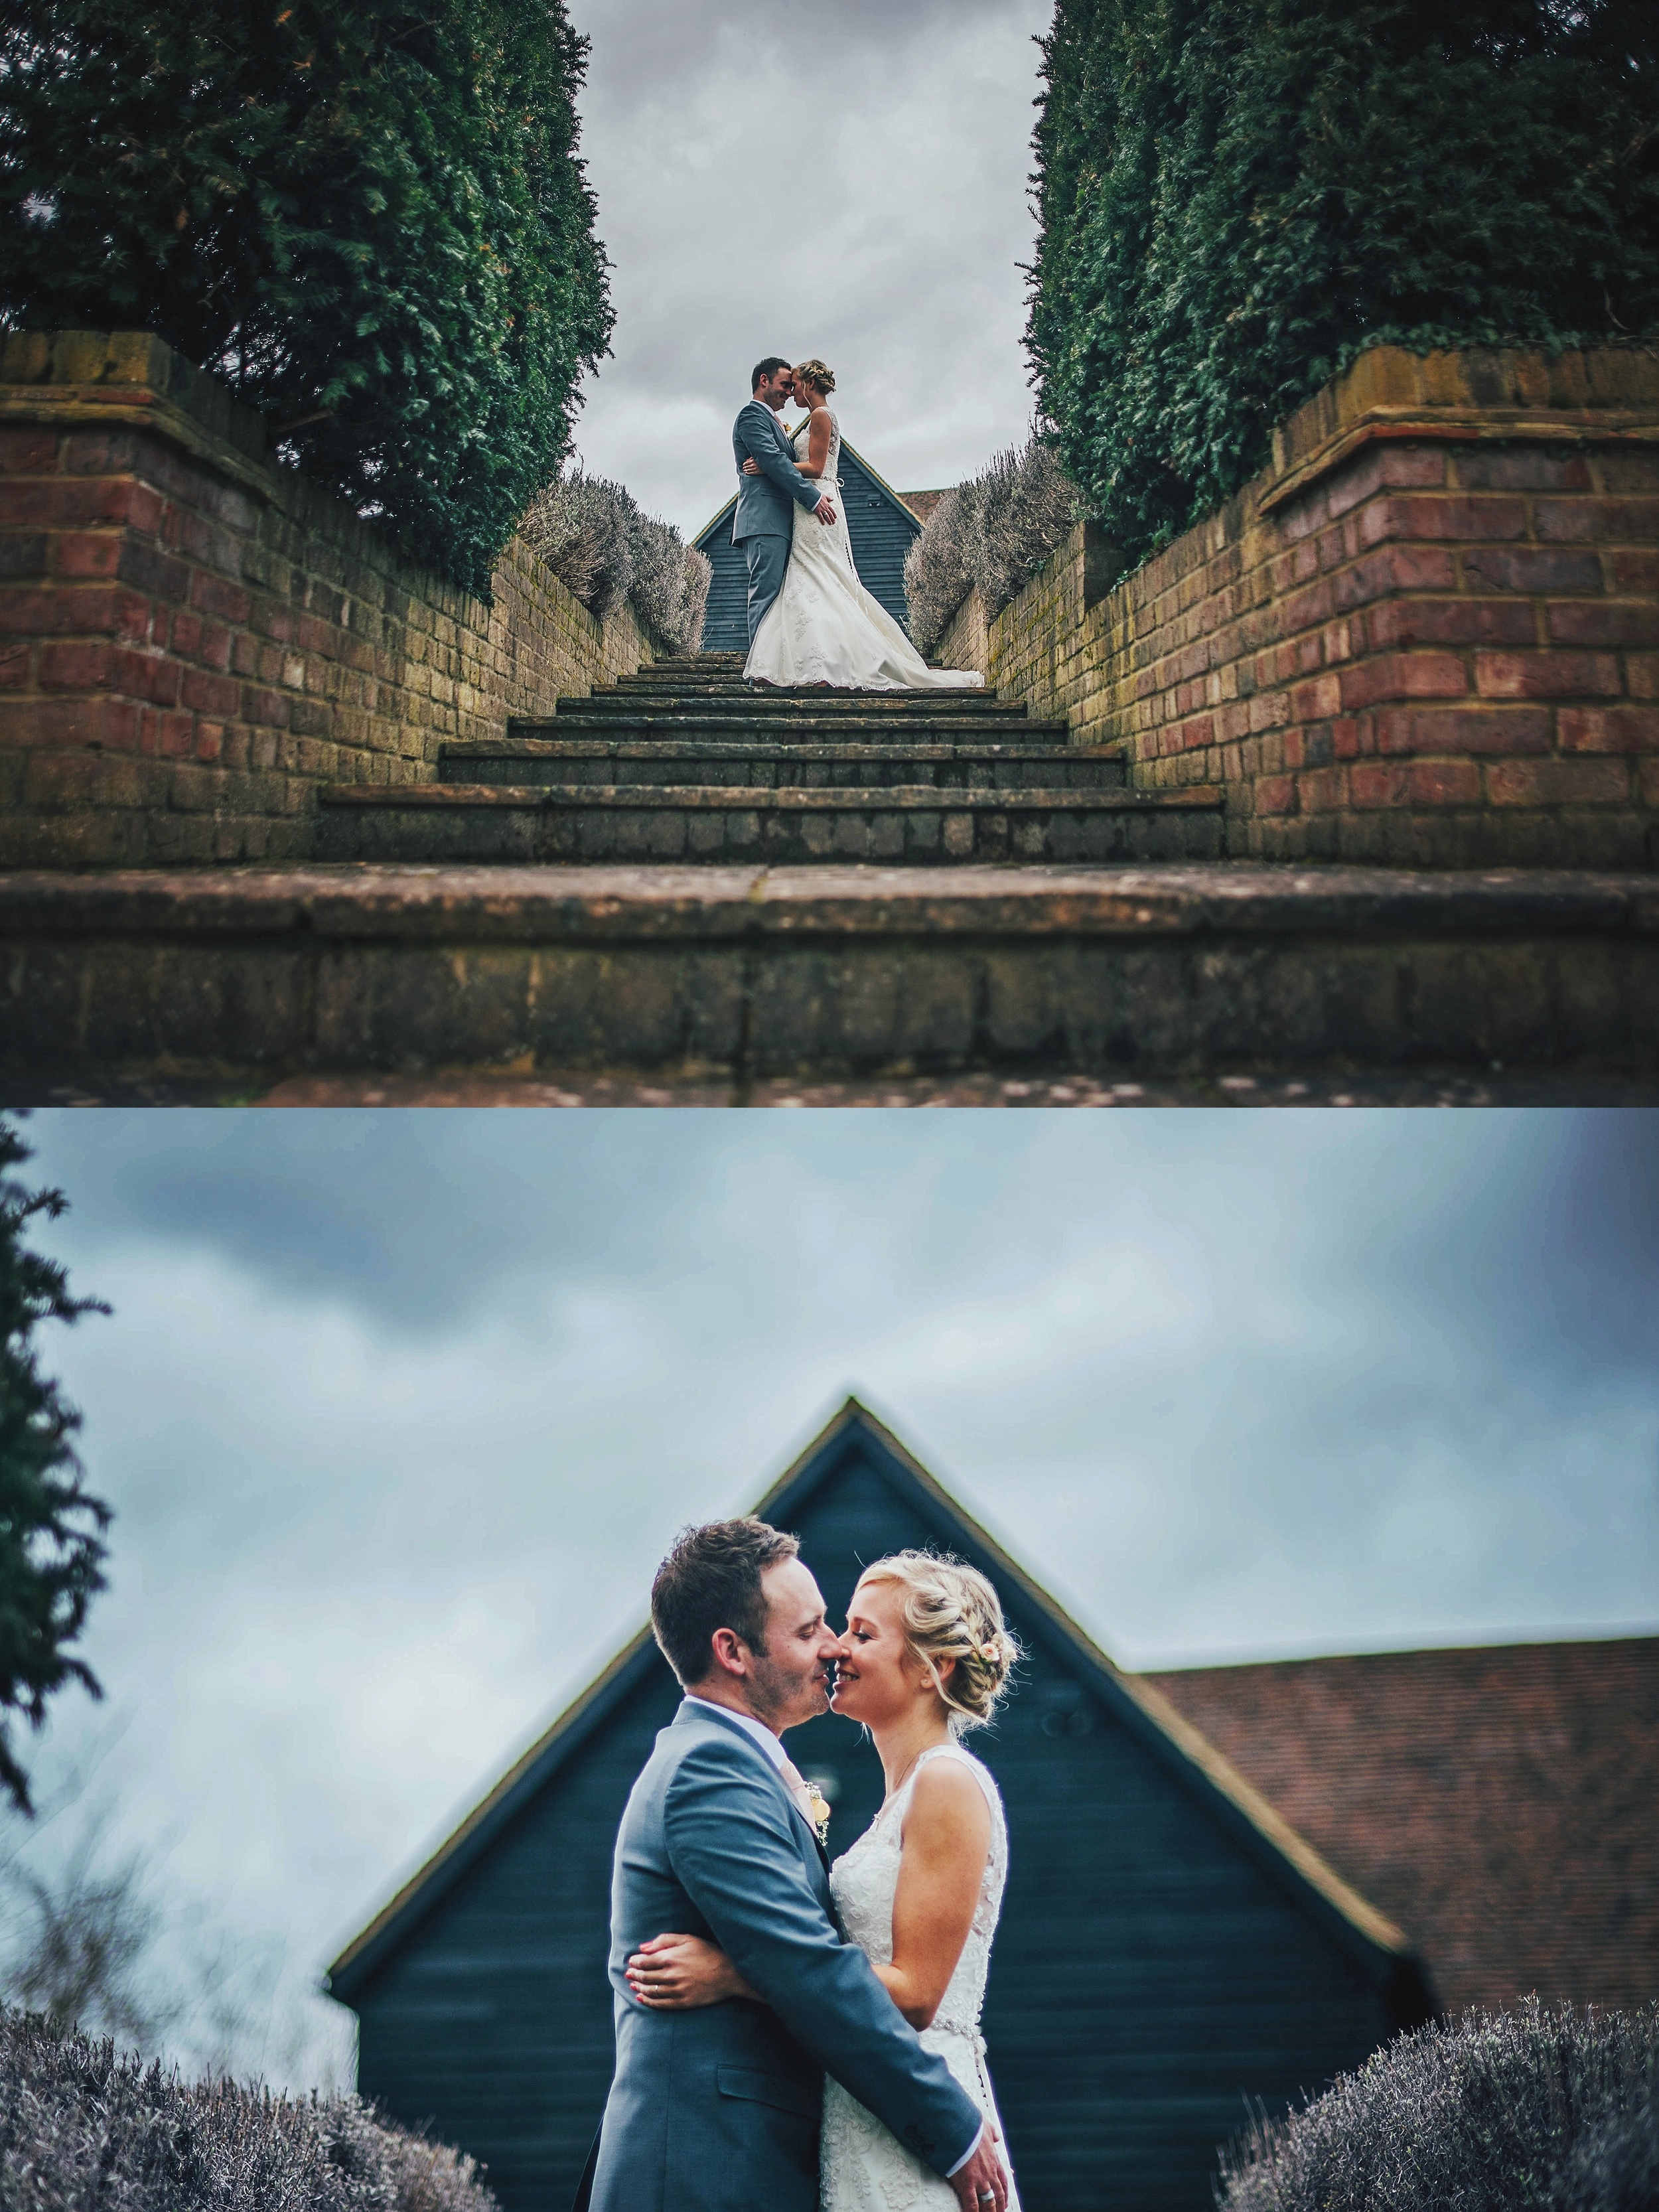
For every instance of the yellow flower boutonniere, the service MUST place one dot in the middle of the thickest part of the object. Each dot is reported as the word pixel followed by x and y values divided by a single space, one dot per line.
pixel 820 1811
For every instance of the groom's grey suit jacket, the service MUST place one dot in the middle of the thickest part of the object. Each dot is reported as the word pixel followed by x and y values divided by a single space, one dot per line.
pixel 717 2110
pixel 763 509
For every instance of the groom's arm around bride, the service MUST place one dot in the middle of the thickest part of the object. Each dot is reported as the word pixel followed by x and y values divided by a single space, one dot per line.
pixel 717 2109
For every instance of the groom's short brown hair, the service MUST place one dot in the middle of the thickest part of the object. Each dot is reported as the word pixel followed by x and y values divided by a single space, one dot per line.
pixel 763 368
pixel 710 1580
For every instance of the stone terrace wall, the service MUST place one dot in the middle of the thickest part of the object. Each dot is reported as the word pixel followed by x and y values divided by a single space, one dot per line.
pixel 1427 635
pixel 193 638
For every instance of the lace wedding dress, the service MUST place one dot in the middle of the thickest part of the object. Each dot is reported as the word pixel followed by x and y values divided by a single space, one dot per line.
pixel 863 2167
pixel 823 627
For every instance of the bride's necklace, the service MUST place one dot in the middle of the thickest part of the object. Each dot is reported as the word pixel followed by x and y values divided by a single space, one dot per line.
pixel 905 1777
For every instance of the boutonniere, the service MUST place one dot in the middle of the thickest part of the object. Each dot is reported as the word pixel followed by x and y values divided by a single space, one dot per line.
pixel 820 1812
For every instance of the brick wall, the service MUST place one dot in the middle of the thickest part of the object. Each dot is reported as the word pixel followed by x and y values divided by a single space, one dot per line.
pixel 1428 634
pixel 193 638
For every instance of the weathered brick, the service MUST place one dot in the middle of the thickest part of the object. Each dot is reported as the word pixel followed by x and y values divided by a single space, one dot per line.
pixel 1557 783
pixel 53 611
pixel 1444 515
pixel 1608 729
pixel 83 666
pixel 1404 675
pixel 1522 468
pixel 1604 622
pixel 217 595
pixel 1415 783
pixel 27 449
pixel 1531 569
pixel 1449 622
pixel 1545 675
pixel 1499 732
pixel 23 555
pixel 1597 521
pixel 48 724
pixel 205 693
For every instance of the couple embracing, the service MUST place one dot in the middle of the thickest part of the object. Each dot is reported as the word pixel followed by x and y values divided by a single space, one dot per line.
pixel 810 621
pixel 745 1968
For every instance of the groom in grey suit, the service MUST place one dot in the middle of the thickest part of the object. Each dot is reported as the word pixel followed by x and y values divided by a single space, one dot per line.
pixel 764 522
pixel 717 2109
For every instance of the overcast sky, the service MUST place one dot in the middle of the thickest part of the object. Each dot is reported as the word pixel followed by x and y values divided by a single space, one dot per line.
pixel 849 181
pixel 397 1412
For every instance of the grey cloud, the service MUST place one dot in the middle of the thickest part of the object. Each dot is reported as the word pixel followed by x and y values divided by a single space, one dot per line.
pixel 857 189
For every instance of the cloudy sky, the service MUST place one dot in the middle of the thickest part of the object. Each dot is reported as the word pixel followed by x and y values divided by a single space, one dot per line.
pixel 398 1411
pixel 849 181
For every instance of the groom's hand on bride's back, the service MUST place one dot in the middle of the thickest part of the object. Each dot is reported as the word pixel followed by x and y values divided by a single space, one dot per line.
pixel 825 509
pixel 982 2185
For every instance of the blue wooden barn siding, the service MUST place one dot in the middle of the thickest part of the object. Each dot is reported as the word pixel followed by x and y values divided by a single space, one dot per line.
pixel 1152 1971
pixel 882 530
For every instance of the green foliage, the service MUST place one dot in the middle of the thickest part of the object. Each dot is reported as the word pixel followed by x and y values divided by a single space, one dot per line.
pixel 366 215
pixel 1237 196
pixel 51 1555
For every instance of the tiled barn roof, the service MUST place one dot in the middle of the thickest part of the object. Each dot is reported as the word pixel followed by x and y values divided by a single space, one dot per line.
pixel 1501 1805
pixel 922 503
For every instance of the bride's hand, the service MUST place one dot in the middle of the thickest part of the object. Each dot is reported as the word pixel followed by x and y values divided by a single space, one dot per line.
pixel 672 1973
pixel 751 467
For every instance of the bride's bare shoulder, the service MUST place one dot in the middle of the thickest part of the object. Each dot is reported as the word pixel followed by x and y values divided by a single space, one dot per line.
pixel 948 1794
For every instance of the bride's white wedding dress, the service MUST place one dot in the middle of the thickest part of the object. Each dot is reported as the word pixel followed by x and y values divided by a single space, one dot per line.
pixel 863 2167
pixel 823 627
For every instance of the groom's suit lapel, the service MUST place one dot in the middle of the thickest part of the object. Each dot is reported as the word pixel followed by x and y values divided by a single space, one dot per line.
pixel 687 1718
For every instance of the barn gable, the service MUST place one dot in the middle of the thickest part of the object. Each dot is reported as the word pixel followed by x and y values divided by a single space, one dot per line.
pixel 1169 1946
pixel 882 530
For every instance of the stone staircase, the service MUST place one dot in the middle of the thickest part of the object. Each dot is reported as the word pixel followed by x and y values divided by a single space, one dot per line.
pixel 680 882
pixel 686 763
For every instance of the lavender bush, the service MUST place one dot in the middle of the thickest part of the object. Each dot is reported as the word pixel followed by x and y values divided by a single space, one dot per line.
pixel 1538 2110
pixel 606 550
pixel 995 530
pixel 84 2128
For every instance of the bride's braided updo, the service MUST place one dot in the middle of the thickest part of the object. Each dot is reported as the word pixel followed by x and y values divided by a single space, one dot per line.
pixel 816 374
pixel 951 1612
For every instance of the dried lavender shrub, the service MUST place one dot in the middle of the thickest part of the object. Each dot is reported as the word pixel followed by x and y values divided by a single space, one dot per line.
pixel 85 2128
pixel 606 552
pixel 1540 2109
pixel 995 531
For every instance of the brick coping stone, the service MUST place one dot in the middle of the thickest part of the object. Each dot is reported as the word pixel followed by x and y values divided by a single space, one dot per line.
pixel 389 901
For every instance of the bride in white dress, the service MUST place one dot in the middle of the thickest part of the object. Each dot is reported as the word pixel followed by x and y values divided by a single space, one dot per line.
pixel 926 1657
pixel 823 627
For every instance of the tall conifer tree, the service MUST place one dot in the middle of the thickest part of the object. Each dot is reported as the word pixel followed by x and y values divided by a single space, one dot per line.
pixel 52 1551
pixel 368 215
pixel 1235 195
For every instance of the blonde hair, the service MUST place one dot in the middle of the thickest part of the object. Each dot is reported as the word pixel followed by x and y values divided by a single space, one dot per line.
pixel 816 373
pixel 951 1611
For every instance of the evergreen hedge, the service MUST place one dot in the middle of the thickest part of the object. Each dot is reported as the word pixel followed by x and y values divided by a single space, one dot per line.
pixel 1237 196
pixel 366 216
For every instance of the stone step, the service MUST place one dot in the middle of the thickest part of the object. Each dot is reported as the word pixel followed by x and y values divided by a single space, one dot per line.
pixel 727 698
pixel 837 729
pixel 708 761
pixel 714 824
pixel 244 976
